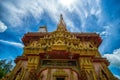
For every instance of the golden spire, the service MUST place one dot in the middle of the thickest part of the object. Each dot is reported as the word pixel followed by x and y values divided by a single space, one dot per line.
pixel 61 25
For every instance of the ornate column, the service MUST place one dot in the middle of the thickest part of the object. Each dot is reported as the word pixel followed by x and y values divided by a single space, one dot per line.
pixel 49 74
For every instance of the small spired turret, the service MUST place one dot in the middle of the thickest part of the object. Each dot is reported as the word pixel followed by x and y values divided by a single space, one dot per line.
pixel 42 29
pixel 61 25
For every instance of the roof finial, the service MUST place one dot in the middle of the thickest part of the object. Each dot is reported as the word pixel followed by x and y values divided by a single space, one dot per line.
pixel 61 17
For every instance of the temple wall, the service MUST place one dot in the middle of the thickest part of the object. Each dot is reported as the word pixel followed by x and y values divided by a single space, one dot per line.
pixel 97 67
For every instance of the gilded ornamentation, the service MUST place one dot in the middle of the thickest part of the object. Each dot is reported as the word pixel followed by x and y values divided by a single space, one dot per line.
pixel 60 72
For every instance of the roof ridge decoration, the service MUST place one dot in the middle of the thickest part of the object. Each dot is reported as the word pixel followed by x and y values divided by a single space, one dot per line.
pixel 61 26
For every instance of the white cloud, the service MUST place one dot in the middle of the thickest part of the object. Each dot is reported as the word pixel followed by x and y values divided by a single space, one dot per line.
pixel 67 3
pixel 23 8
pixel 114 58
pixel 12 43
pixel 3 27
pixel 117 76
pixel 107 31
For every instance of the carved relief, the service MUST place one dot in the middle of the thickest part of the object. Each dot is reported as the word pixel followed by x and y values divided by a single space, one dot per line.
pixel 60 73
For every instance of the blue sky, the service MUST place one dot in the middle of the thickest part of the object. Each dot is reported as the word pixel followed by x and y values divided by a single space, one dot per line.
pixel 18 17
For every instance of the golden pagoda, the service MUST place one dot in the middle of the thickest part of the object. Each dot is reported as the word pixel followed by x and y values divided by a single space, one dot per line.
pixel 61 55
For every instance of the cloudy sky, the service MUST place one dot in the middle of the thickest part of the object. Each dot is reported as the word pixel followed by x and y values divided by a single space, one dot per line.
pixel 18 17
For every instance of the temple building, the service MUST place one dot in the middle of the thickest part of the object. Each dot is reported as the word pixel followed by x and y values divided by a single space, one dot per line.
pixel 61 55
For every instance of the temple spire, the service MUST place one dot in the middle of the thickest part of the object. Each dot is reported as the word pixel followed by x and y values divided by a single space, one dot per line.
pixel 61 25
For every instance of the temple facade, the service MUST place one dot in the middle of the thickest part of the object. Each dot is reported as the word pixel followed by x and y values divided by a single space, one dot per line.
pixel 61 55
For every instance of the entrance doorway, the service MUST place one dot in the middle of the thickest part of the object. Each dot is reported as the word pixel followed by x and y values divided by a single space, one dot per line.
pixel 60 78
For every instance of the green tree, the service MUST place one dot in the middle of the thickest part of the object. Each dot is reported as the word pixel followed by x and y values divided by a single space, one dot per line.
pixel 2 72
pixel 5 67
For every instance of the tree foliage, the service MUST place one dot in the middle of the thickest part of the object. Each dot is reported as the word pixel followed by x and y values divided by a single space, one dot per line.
pixel 5 67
